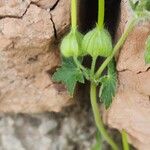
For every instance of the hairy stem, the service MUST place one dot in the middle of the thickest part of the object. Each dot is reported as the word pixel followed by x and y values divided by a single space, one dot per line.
pixel 98 119
pixel 101 12
pixel 80 66
pixel 125 140
pixel 74 13
pixel 93 66
pixel 117 47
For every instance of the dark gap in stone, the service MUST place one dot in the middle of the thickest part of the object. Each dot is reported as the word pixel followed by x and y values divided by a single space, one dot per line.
pixel 112 11
pixel 32 59
pixel 87 14
pixel 87 18
pixel 54 6
pixel 51 71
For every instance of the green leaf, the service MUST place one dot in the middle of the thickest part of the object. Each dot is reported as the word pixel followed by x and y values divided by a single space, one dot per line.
pixel 147 51
pixel 148 5
pixel 68 74
pixel 141 8
pixel 108 85
pixel 133 4
pixel 143 5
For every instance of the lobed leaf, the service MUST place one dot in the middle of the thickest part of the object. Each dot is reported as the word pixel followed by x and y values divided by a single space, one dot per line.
pixel 108 85
pixel 68 74
pixel 141 8
pixel 133 4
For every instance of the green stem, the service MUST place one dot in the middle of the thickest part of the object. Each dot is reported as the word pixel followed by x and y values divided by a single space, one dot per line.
pixel 117 47
pixel 125 140
pixel 78 63
pixel 101 12
pixel 93 66
pixel 74 13
pixel 80 66
pixel 98 119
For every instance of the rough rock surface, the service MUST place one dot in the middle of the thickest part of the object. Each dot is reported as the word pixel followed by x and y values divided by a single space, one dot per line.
pixel 28 54
pixel 131 107
pixel 48 131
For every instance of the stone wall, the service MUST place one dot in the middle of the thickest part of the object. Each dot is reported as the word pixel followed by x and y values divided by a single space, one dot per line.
pixel 68 130
pixel 29 54
pixel 131 106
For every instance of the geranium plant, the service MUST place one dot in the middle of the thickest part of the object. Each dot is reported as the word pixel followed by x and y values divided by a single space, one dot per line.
pixel 97 43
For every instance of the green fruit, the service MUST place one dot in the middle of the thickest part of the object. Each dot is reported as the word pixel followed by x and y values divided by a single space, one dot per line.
pixel 97 43
pixel 71 44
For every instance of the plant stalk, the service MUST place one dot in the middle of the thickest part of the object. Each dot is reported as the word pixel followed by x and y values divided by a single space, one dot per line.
pixel 93 66
pixel 81 67
pixel 98 119
pixel 125 140
pixel 101 12
pixel 74 14
pixel 117 47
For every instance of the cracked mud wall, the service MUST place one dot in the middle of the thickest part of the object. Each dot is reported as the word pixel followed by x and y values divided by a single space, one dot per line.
pixel 28 54
pixel 131 107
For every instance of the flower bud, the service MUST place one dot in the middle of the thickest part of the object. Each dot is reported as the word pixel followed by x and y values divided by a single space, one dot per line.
pixel 71 44
pixel 97 43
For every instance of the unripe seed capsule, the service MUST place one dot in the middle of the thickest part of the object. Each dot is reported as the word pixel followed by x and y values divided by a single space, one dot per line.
pixel 97 43
pixel 71 44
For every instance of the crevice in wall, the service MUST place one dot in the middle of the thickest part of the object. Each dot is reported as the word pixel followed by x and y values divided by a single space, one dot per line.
pixel 16 17
pixel 87 18
pixel 54 6
pixel 87 14
pixel 54 27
